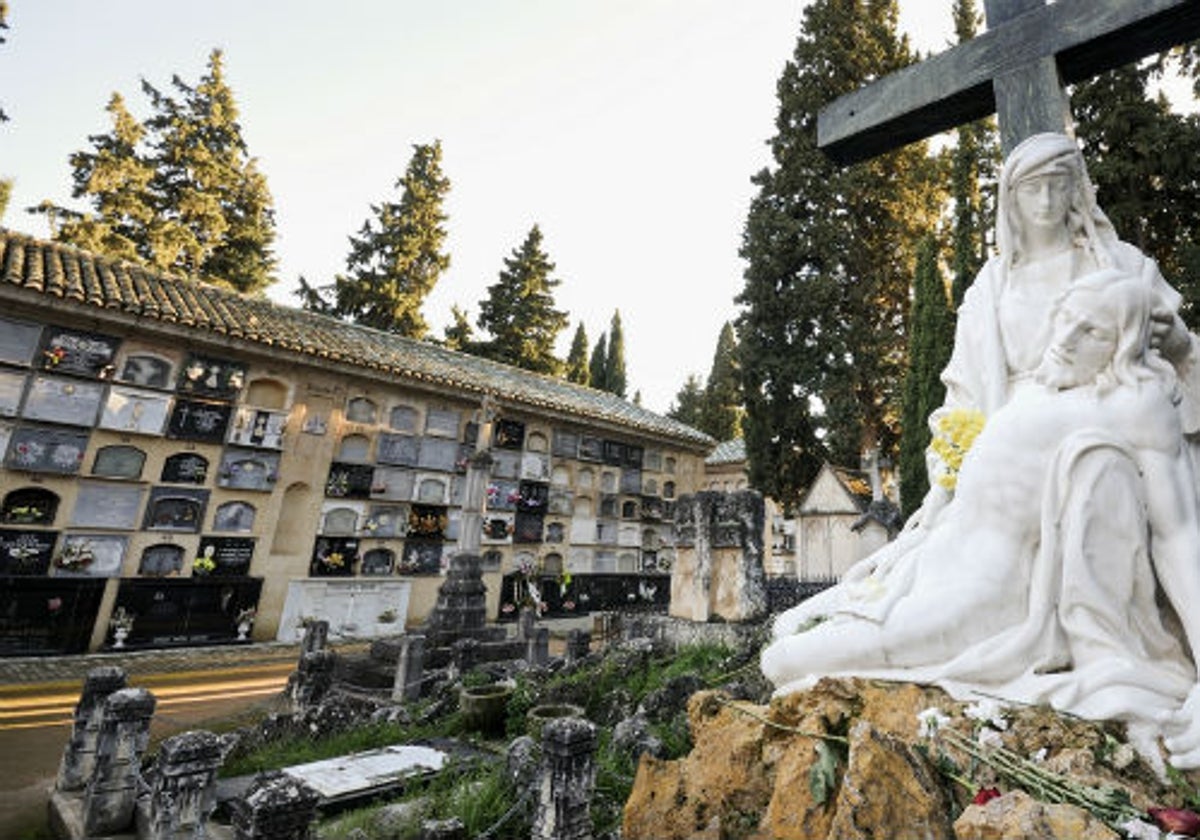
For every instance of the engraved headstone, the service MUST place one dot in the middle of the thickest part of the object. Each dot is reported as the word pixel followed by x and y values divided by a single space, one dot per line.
pixel 60 399
pixel 410 668
pixel 79 757
pixel 566 780
pixel 112 790
pixel 183 788
pixel 78 353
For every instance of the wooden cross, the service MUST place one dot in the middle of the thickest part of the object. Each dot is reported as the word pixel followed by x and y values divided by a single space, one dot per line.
pixel 1016 69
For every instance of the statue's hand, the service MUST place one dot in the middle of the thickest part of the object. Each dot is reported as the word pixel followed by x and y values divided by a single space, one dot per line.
pixel 1181 732
pixel 1169 335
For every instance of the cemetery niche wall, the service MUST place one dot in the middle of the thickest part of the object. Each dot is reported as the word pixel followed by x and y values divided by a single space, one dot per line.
pixel 187 454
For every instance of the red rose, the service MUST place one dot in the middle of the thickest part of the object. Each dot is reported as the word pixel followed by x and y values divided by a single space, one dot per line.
pixel 1176 820
pixel 985 795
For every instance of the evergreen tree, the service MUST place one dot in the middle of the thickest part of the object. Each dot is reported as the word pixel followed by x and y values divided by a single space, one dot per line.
pixel 931 338
pixel 614 362
pixel 721 415
pixel 688 406
pixel 459 335
pixel 973 166
pixel 397 257
pixel 577 370
pixel 519 311
pixel 598 364
pixel 830 255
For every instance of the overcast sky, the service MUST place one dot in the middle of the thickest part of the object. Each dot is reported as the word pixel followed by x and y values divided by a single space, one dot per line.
pixel 627 129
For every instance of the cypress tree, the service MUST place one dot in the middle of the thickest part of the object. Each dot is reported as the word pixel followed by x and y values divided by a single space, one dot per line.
pixel 830 254
pixel 459 335
pixel 614 363
pixel 721 415
pixel 519 310
pixel 688 406
pixel 577 370
pixel 931 338
pixel 598 364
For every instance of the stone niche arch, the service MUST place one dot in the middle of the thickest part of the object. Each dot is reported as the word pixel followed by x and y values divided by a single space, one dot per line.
pixel 29 506
pixel 119 461
pixel 354 448
pixel 361 410
pixel 293 528
pixel 560 476
pixel 161 560
pixel 234 516
pixel 266 392
pixel 536 442
pixel 403 418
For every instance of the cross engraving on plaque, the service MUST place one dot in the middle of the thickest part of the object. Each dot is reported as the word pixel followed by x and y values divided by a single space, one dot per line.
pixel 1016 69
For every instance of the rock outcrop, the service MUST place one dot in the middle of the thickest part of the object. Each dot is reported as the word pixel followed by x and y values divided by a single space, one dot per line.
pixel 852 759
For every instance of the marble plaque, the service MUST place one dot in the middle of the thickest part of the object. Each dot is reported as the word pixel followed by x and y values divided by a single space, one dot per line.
pixel 421 557
pixel 199 421
pixel 442 422
pixel 38 449
pixel 135 411
pixel 119 462
pixel 386 521
pixel 393 484
pixel 355 448
pixel 432 490
pixel 104 505
pixel 378 562
pixel 208 377
pixel 535 466
pixel 12 388
pixel 503 495
pixel 591 448
pixel 231 554
pixel 79 353
pixel 339 521
pixel 162 560
pixel 248 470
pixel 555 532
pixel 258 427
pixel 560 502
pixel 361 410
pixel 652 460
pixel 401 450
pixel 564 444
pixel 185 468
pixel 62 400
pixel 506 464
pixel 90 555
pixel 18 341
pixel 147 370
pixel 26 552
pixel 403 418
pixel 438 454
pixel 361 773
pixel 631 480
pixel 175 509
pixel 234 516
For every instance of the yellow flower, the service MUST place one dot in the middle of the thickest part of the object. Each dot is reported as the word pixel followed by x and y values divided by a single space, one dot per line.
pixel 956 431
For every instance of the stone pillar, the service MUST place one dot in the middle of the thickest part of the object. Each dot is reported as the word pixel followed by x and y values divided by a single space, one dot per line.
pixel 451 829
pixel 410 668
pixel 312 679
pixel 316 637
pixel 579 645
pixel 719 560
pixel 79 757
pixel 275 807
pixel 113 788
pixel 183 788
pixel 565 781
pixel 537 647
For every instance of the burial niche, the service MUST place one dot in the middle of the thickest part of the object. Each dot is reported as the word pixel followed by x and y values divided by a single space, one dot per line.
pixel 266 393
pixel 361 410
pixel 378 562
pixel 234 516
pixel 29 506
pixel 119 462
pixel 162 560
pixel 175 509
pixel 403 418
pixel 146 370
pixel 185 468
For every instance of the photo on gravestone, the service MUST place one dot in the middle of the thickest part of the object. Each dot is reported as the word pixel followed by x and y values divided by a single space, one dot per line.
pixel 207 377
pixel 119 461
pixel 387 521
pixel 427 522
pixel 185 610
pixel 232 555
pixel 19 341
pixel 78 353
pixel 243 469
pixel 12 388
pixel 349 481
pixel 29 506
pixel 100 504
pixel 135 411
pixel 397 449
pixel 258 427
pixel 378 562
pixel 91 555
pixel 175 509
pixel 508 434
pixel 43 616
pixel 59 399
pixel 41 449
pixel 334 557
pixel 421 557
pixel 204 422
pixel 162 560
pixel 185 468
pixel 26 552
pixel 147 370
pixel 234 516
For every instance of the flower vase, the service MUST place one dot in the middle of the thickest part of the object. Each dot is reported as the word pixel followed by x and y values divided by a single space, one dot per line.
pixel 119 636
pixel 243 629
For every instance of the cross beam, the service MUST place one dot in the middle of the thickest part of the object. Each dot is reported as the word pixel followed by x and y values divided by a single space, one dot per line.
pixel 1015 69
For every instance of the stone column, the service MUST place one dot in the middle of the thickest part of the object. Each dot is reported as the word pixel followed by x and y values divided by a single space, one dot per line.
pixel 183 788
pixel 113 788
pixel 565 781
pixel 316 637
pixel 719 563
pixel 275 807
pixel 312 679
pixel 410 668
pixel 79 757
pixel 579 645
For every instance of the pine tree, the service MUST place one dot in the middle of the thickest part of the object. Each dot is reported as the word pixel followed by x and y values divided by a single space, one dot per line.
pixel 577 370
pixel 614 363
pixel 830 255
pixel 721 415
pixel 598 364
pixel 459 335
pixel 519 311
pixel 397 257
pixel 688 406
pixel 973 165
pixel 931 339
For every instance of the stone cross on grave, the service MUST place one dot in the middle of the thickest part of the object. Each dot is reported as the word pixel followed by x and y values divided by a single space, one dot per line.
pixel 1016 69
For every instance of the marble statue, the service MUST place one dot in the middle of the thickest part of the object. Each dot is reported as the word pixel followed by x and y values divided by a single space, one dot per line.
pixel 1059 562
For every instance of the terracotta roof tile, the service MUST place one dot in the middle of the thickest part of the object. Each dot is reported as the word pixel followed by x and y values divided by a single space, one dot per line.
pixel 56 270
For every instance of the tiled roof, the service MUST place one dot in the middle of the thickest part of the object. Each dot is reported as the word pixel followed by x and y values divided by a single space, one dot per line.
pixel 90 280
pixel 728 452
